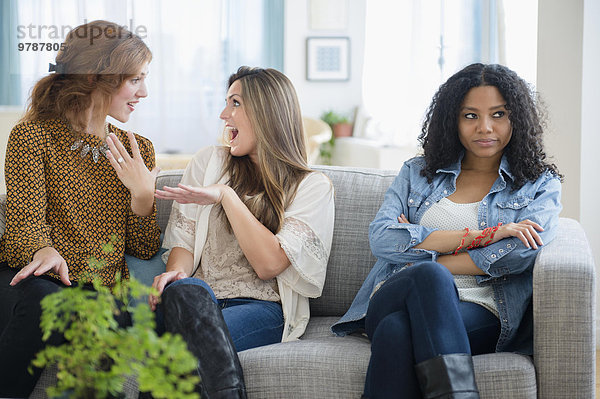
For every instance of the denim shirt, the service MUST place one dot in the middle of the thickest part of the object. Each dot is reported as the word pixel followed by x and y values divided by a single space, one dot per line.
pixel 507 264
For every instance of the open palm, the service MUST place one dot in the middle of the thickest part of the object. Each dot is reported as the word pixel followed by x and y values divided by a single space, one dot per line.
pixel 192 195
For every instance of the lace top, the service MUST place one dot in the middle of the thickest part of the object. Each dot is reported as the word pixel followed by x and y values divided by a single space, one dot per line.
pixel 225 268
pixel 305 235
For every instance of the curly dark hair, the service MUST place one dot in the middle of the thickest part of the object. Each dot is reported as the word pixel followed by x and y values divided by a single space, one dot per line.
pixel 525 151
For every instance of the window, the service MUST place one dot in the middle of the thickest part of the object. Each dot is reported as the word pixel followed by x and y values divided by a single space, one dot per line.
pixel 196 45
pixel 413 46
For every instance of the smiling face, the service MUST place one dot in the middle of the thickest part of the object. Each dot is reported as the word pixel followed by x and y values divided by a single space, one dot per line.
pixel 484 128
pixel 124 101
pixel 242 139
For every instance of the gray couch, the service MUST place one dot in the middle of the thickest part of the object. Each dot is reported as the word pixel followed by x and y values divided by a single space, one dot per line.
pixel 321 365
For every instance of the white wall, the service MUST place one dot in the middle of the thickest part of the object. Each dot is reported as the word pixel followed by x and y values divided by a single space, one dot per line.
pixel 317 97
pixel 590 137
pixel 560 33
pixel 568 64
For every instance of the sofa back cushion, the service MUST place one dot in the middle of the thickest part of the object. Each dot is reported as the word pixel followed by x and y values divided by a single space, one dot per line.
pixel 359 193
pixel 163 207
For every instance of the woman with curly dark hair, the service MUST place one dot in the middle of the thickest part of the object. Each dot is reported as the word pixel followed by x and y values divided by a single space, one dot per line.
pixel 456 240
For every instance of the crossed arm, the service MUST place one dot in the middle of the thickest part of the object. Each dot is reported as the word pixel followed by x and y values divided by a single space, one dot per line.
pixel 444 241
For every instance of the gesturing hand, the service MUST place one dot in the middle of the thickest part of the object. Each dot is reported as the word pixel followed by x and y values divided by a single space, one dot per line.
pixel 183 194
pixel 44 260
pixel 132 171
pixel 159 284
pixel 526 231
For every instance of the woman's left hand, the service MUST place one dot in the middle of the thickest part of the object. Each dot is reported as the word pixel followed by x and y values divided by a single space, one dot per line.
pixel 132 171
pixel 183 194
pixel 402 219
pixel 527 231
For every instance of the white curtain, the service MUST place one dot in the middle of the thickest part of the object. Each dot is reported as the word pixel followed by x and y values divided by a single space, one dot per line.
pixel 43 21
pixel 413 46
pixel 186 83
pixel 196 45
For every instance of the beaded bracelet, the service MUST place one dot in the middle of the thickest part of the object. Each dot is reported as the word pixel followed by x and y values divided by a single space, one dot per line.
pixel 462 242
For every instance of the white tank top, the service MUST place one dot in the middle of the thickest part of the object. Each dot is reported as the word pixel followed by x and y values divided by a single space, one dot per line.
pixel 448 215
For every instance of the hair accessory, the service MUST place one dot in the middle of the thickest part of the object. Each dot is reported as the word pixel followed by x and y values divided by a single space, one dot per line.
pixel 59 68
pixel 96 151
pixel 462 241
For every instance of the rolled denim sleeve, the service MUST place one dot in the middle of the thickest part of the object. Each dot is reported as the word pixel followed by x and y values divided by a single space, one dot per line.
pixel 392 240
pixel 510 255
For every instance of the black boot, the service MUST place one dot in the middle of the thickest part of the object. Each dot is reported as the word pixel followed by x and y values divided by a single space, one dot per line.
pixel 448 377
pixel 190 312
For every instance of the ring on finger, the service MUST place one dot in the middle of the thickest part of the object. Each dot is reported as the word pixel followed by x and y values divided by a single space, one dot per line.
pixel 120 160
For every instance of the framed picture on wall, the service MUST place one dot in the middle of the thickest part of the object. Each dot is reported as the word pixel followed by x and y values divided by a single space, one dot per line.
pixel 328 58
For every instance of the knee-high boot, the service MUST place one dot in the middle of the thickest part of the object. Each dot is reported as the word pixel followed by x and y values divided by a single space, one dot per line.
pixel 190 312
pixel 448 377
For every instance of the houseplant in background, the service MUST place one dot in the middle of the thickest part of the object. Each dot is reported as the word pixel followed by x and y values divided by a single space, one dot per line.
pixel 99 355
pixel 340 123
pixel 341 126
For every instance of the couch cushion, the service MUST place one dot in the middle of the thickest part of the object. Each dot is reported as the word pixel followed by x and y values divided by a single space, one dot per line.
pixel 359 193
pixel 321 365
pixel 166 178
pixel 327 367
pixel 505 375
pixel 319 327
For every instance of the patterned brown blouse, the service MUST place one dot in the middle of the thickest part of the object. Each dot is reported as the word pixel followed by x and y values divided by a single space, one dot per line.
pixel 57 198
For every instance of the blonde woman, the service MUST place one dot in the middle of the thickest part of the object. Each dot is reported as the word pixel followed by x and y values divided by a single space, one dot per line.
pixel 249 235
pixel 72 181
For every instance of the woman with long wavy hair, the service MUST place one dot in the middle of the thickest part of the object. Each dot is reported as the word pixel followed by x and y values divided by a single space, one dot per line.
pixel 249 234
pixel 73 180
pixel 456 239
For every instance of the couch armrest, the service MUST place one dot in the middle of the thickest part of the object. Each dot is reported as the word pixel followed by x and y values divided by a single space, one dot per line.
pixel 563 313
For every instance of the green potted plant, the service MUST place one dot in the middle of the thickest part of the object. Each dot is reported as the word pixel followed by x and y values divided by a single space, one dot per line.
pixel 340 126
pixel 98 355
pixel 340 123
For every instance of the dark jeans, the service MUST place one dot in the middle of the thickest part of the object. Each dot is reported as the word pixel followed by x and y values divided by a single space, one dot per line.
pixel 20 333
pixel 416 315
pixel 251 322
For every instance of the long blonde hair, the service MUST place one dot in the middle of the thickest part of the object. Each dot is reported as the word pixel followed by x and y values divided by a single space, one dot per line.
pixel 272 107
pixel 86 64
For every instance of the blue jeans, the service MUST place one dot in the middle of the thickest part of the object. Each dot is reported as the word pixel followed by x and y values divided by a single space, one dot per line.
pixel 251 322
pixel 416 315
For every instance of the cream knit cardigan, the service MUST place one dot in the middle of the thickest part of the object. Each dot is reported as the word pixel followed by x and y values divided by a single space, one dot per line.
pixel 305 236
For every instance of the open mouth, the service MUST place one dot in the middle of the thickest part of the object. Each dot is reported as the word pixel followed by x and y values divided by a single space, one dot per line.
pixel 131 105
pixel 233 132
